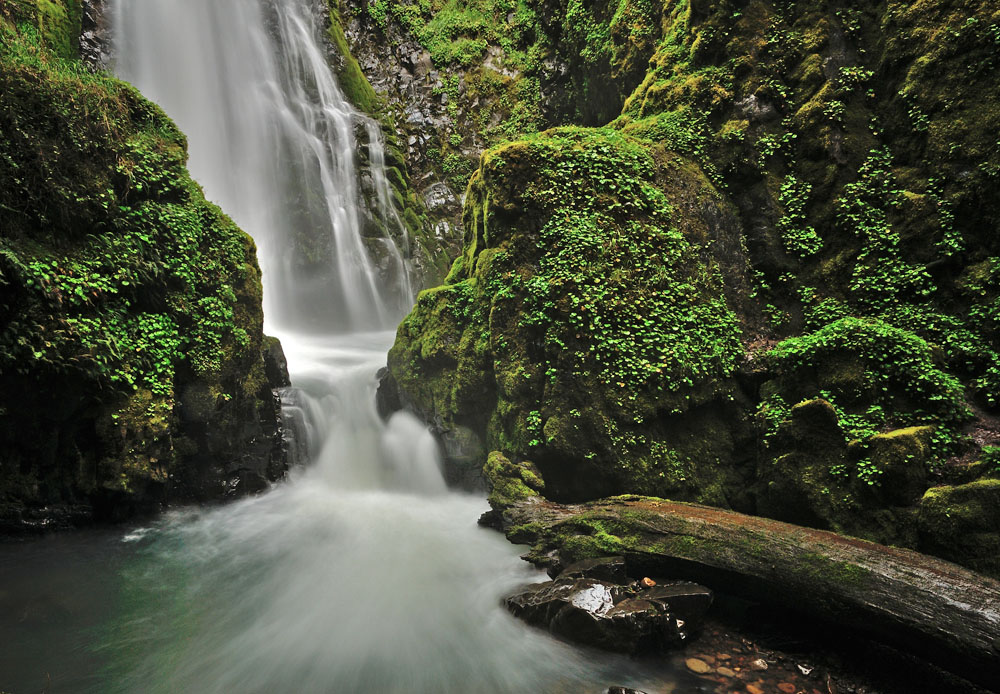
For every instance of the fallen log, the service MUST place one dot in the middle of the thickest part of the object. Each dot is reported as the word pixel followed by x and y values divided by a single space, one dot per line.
pixel 925 606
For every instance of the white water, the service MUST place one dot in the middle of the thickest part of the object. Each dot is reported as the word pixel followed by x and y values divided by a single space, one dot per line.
pixel 272 140
pixel 363 573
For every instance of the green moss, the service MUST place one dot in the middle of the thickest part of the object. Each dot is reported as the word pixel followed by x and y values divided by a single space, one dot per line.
pixel 854 143
pixel 510 482
pixel 880 375
pixel 350 78
pixel 553 309
pixel 962 523
pixel 121 284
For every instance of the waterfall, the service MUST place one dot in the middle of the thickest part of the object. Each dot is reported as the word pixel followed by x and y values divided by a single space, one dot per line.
pixel 273 141
pixel 362 573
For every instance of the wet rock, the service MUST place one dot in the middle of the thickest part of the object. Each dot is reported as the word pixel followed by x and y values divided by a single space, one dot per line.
pixel 648 582
pixel 540 603
pixel 438 196
pixel 603 569
pixel 758 665
pixel 387 396
pixel 688 601
pixel 623 690
pixel 275 364
pixel 609 615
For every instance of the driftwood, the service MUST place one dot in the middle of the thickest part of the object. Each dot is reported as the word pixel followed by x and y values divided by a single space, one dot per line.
pixel 928 607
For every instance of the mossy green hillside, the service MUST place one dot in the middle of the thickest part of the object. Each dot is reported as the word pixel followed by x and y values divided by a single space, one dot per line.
pixel 852 144
pixel 514 67
pixel 130 317
pixel 584 318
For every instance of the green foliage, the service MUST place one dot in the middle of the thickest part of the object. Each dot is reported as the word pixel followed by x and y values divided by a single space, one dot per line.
pixel 608 246
pixel 122 272
pixel 991 458
pixel 800 240
pixel 882 276
pixel 877 376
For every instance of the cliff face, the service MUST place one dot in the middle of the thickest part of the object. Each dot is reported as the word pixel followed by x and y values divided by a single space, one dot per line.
pixel 831 357
pixel 132 359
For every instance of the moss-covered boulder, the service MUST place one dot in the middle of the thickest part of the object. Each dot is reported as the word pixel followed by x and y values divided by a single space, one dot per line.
pixel 585 325
pixel 855 420
pixel 962 523
pixel 131 356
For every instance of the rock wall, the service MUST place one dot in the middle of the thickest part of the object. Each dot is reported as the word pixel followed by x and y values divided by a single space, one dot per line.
pixel 832 168
pixel 132 359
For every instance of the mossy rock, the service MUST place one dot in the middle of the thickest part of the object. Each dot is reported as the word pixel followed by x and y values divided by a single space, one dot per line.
pixel 812 475
pixel 962 523
pixel 510 482
pixel 131 310
pixel 536 341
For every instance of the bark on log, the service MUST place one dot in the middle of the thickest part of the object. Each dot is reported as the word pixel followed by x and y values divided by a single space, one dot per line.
pixel 926 606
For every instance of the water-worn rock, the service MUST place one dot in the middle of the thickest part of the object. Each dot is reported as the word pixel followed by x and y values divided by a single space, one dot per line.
pixel 697 665
pixel 611 569
pixel 609 614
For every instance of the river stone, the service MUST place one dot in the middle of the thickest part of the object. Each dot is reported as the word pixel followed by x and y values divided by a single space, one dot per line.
pixel 539 603
pixel 608 615
pixel 697 665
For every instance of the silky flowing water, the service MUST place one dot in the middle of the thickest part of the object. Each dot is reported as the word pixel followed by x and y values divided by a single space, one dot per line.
pixel 362 572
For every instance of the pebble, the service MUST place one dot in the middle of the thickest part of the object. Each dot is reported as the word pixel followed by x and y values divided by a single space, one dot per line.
pixel 723 656
pixel 759 665
pixel 725 672
pixel 754 689
pixel 647 582
pixel 696 665
pixel 787 687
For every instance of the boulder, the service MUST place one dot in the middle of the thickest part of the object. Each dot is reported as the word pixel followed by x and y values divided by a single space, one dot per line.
pixel 609 614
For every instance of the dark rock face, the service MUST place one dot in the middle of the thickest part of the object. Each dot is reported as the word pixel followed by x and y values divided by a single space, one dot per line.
pixel 593 602
pixel 275 364
pixel 95 35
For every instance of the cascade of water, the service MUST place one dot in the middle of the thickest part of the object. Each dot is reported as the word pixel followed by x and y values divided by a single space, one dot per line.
pixel 363 573
pixel 272 140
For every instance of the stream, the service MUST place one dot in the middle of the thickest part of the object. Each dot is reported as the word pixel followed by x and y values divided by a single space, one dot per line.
pixel 360 573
